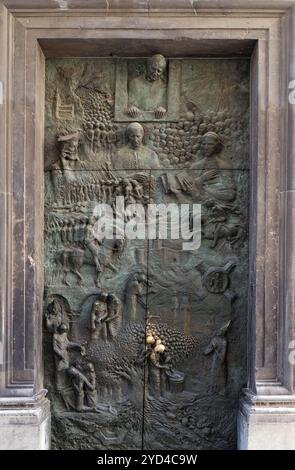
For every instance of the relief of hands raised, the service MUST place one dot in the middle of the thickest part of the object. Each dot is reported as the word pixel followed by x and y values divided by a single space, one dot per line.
pixel 160 112
pixel 133 111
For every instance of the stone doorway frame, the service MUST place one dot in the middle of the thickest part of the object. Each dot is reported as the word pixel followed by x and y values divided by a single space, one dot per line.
pixel 31 30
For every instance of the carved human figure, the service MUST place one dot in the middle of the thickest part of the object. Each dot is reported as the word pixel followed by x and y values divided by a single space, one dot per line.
pixel 148 92
pixel 106 317
pixel 69 157
pixel 134 291
pixel 102 187
pixel 159 363
pixel 210 181
pixel 89 228
pixel 114 319
pixel 61 348
pixel 69 149
pixel 137 190
pixel 99 314
pixel 90 392
pixel 135 155
pixel 109 188
pixel 64 169
pixel 218 349
pixel 55 232
pixel 82 386
pixel 93 246
pixel 165 362
pixel 54 315
pixel 119 187
pixel 94 253
pixel 90 133
pixel 128 191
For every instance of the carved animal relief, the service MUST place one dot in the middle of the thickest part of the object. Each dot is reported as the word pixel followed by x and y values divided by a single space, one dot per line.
pixel 144 341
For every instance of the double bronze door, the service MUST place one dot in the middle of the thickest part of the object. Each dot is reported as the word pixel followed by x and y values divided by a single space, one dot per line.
pixel 145 329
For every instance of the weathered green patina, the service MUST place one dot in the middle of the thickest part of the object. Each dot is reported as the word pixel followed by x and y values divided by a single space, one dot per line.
pixel 144 342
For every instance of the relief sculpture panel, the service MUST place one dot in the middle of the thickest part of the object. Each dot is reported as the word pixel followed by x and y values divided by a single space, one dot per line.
pixel 144 329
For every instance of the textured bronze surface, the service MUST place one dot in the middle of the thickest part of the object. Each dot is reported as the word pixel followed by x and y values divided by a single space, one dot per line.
pixel 145 343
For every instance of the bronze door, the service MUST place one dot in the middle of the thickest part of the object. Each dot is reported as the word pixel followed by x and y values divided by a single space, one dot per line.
pixel 144 330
